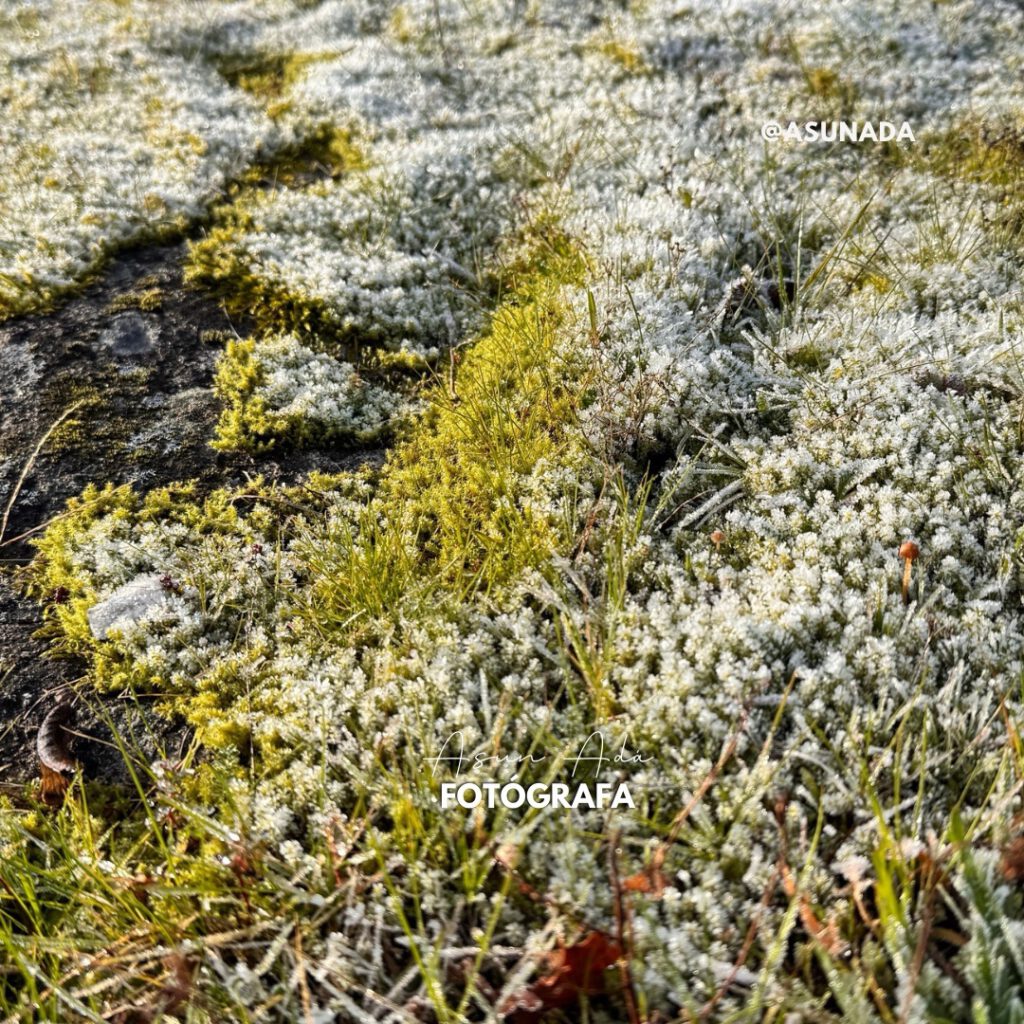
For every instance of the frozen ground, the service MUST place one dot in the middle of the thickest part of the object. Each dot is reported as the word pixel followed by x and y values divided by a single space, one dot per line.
pixel 662 401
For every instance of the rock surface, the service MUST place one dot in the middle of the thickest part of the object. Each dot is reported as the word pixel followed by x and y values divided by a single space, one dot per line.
pixel 133 356
pixel 127 371
pixel 131 334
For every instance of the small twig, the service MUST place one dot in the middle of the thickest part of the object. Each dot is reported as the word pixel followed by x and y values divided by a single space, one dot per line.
pixel 623 931
pixel 53 519
pixel 27 468
pixel 748 945
pixel 706 783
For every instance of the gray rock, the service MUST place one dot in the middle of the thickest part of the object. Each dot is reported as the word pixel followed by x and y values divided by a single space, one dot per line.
pixel 130 334
pixel 18 365
pixel 144 429
pixel 133 601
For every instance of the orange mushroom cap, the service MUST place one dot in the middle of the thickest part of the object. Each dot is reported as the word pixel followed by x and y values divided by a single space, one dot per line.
pixel 908 549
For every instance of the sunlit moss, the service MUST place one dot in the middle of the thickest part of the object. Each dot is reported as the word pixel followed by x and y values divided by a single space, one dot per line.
pixel 146 299
pixel 628 58
pixel 401 26
pixel 341 405
pixel 269 76
pixel 218 262
pixel 453 511
pixel 828 84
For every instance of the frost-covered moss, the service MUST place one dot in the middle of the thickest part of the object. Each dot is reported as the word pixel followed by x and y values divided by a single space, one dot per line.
pixel 277 389
pixel 712 387
pixel 379 258
pixel 111 138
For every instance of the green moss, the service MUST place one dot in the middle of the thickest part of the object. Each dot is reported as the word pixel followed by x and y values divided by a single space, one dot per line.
pixel 53 571
pixel 268 76
pixel 827 84
pixel 453 512
pixel 625 56
pixel 260 75
pixel 216 336
pixel 146 299
pixel 543 258
pixel 401 27
pixel 325 150
pixel 215 705
pixel 976 151
pixel 219 262
pixel 980 154
pixel 245 424
pixel 507 414
pixel 807 357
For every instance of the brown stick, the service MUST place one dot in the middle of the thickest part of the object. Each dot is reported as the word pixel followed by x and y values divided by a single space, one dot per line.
pixel 706 783
pixel 624 932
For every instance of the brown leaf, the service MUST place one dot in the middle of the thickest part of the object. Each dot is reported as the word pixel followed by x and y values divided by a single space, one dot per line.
pixel 1012 861
pixel 826 933
pixel 53 742
pixel 52 786
pixel 170 998
pixel 571 972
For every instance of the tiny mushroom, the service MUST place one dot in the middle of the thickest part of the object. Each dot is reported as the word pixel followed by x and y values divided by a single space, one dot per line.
pixel 716 538
pixel 908 552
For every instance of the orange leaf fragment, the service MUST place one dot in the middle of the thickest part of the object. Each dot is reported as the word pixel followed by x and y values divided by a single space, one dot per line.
pixel 651 881
pixel 572 971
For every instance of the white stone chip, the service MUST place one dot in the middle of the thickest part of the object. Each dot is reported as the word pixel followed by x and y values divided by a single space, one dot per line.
pixel 128 604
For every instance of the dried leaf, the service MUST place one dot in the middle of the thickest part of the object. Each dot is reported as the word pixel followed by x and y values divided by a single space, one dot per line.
pixel 826 933
pixel 1012 861
pixel 52 741
pixel 651 881
pixel 52 787
pixel 571 972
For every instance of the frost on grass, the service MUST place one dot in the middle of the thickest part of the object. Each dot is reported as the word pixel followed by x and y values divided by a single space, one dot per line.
pixel 704 391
